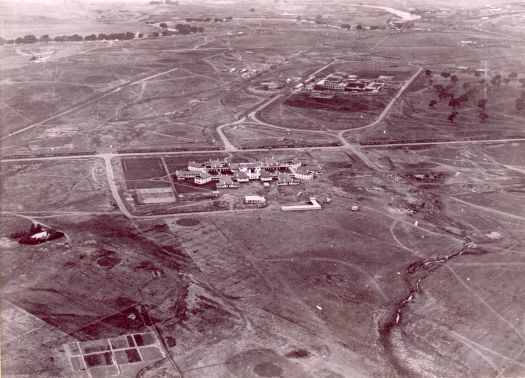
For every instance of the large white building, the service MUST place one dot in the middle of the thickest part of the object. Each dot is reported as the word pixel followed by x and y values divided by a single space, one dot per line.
pixel 265 170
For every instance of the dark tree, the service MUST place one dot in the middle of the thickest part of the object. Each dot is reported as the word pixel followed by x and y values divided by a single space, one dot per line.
pixel 463 98
pixel 445 74
pixel 482 103
pixel 44 38
pixel 103 37
pixel 454 103
pixel 483 116
pixel 91 37
pixel 496 80
pixel 252 9
pixel 454 79
pixel 466 85
pixel 477 73
pixel 346 26
pixel 75 38
pixel 163 25
pixel 155 34
pixel 452 116
pixel 513 75
pixel 432 103
pixel 428 72
pixel 2 41
pixel 359 27
pixel 520 104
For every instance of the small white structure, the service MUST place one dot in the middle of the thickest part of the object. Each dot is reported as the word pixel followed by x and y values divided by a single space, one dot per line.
pixel 303 174
pixel 40 235
pixel 355 208
pixel 255 199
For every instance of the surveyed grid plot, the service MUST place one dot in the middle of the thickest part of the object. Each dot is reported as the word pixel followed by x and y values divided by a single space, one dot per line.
pixel 105 357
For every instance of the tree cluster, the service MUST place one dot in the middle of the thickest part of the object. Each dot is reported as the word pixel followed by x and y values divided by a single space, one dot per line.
pixel 187 29
pixel 209 19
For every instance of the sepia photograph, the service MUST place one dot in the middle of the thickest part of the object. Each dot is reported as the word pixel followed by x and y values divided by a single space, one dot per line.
pixel 262 188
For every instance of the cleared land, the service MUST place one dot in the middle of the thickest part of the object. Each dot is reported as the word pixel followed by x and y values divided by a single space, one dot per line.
pixel 424 279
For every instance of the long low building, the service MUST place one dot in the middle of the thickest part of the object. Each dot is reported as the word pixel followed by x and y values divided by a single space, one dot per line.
pixel 314 205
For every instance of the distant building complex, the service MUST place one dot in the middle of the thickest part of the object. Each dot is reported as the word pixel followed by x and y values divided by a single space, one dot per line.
pixel 230 175
pixel 343 82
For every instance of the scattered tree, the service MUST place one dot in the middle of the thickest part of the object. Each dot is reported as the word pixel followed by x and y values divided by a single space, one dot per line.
pixel 428 72
pixel 496 80
pixel 445 74
pixel 452 116
pixel 483 116
pixel 520 104
pixel 463 98
pixel 513 75
pixel 454 79
pixel 482 103
pixel 163 25
pixel 432 103
pixel 453 103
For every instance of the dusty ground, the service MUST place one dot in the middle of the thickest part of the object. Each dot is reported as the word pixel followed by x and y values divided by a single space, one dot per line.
pixel 424 280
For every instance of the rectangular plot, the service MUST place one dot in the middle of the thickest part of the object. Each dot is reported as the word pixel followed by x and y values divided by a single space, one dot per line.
pixel 98 359
pixel 119 342
pixel 145 168
pixel 151 353
pixel 73 348
pixel 103 371
pixel 127 356
pixel 77 363
pixel 144 339
pixel 94 346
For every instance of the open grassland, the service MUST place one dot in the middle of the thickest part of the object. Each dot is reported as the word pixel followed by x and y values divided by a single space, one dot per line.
pixel 42 186
pixel 253 135
pixel 416 118
pixel 64 300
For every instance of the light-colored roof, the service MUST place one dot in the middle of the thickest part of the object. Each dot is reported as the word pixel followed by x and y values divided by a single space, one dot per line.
pixel 255 198
pixel 241 174
pixel 204 175
pixel 225 180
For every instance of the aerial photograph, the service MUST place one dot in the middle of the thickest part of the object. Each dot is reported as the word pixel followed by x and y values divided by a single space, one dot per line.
pixel 262 188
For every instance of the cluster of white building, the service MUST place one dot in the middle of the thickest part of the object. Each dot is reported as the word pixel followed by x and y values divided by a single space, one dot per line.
pixel 343 82
pixel 230 175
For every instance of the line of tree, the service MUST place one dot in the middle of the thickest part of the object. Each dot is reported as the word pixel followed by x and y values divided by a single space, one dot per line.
pixel 28 39
pixel 187 29
pixel 209 19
